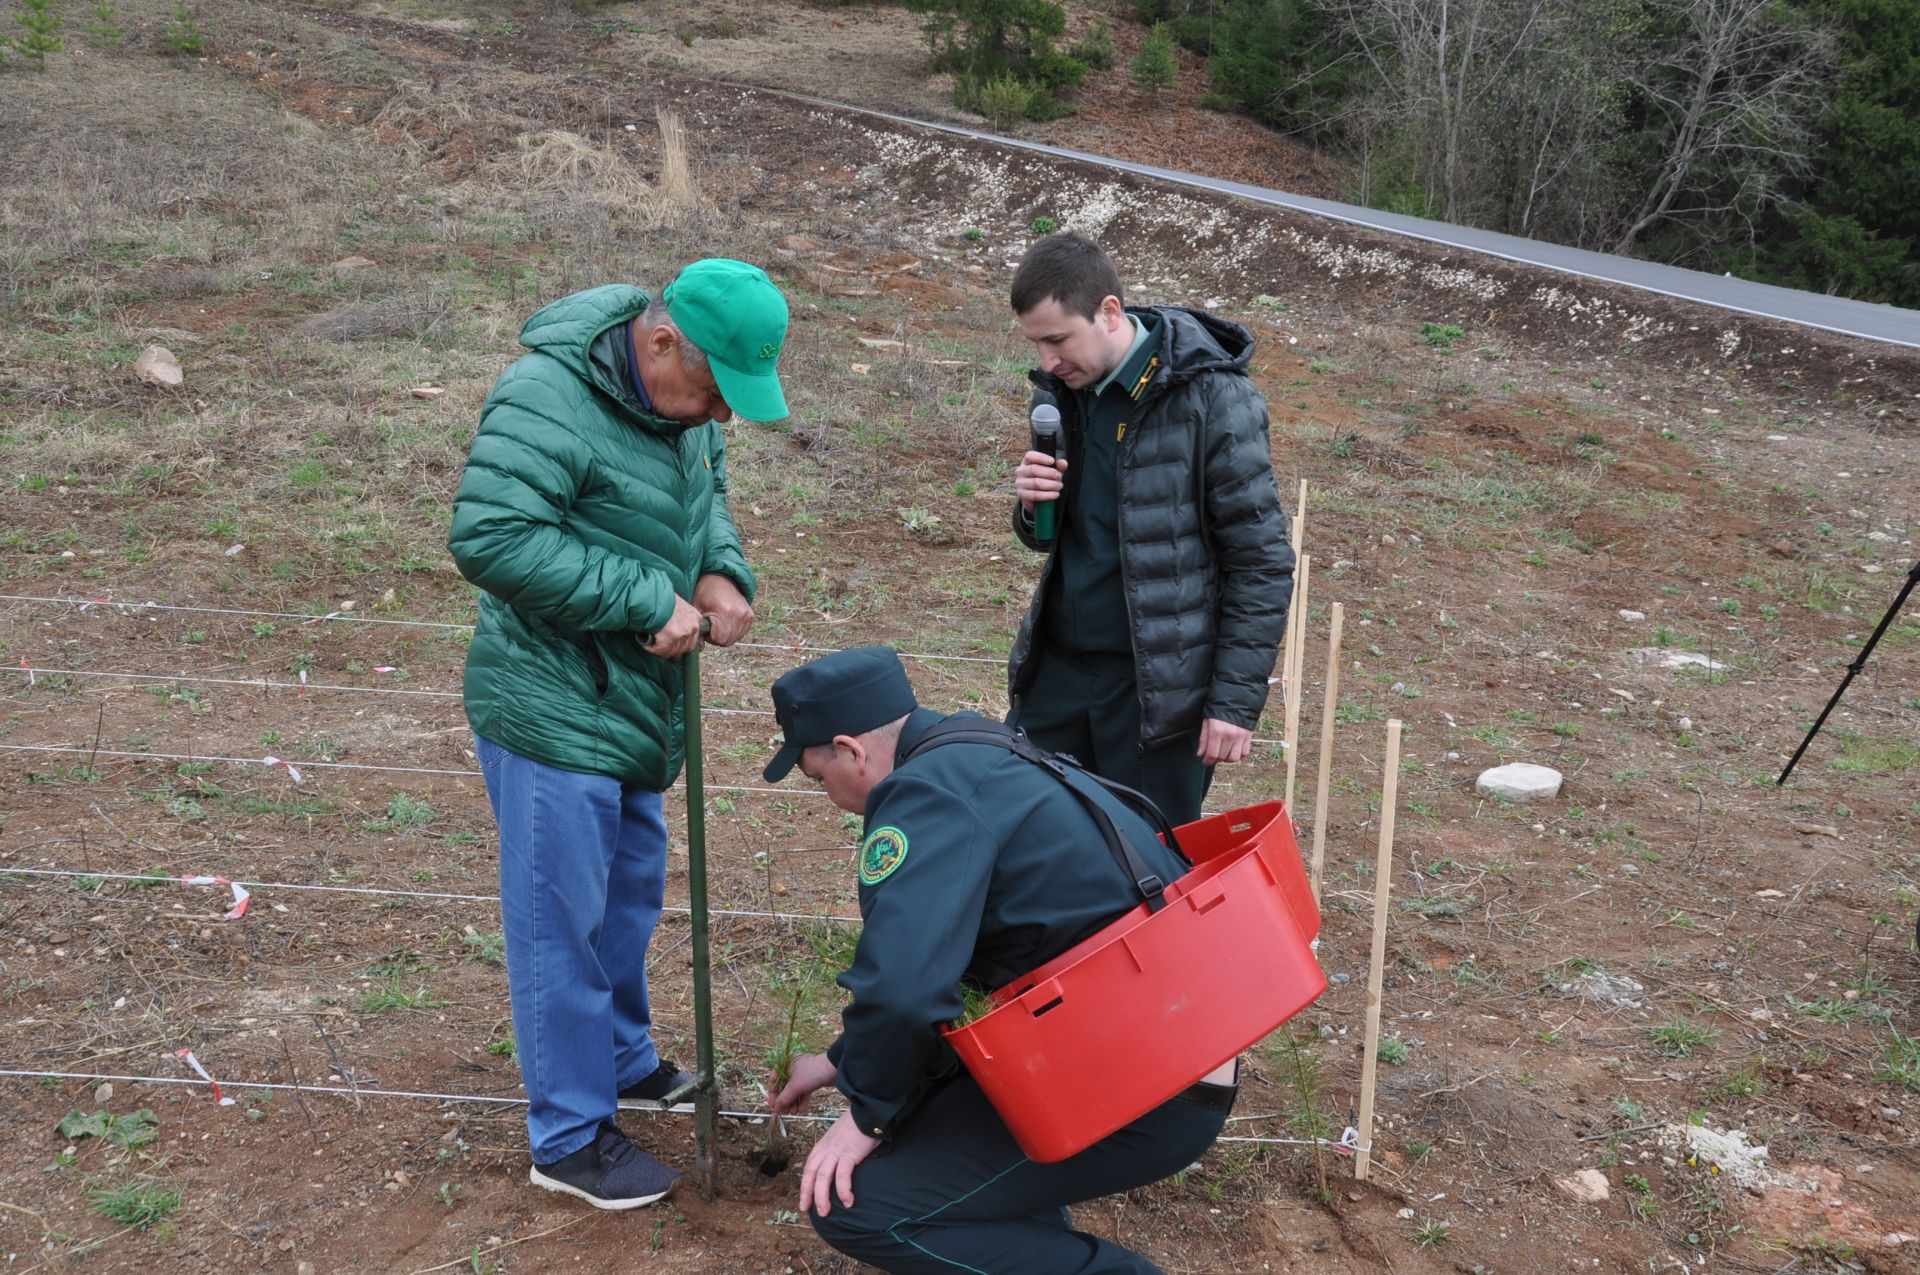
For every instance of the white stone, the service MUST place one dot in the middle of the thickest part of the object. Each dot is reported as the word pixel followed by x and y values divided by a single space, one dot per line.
pixel 1602 988
pixel 1880 537
pixel 157 366
pixel 1519 781
pixel 1633 617
pixel 1666 658
pixel 1743 1162
pixel 1589 1186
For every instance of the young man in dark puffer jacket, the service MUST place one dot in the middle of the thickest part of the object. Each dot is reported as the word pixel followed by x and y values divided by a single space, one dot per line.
pixel 1147 648
pixel 593 517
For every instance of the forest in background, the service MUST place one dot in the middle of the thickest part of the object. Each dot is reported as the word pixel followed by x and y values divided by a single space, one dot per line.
pixel 1776 140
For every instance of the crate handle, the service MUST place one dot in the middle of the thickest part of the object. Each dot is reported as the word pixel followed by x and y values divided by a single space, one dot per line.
pixel 1050 1006
pixel 1219 896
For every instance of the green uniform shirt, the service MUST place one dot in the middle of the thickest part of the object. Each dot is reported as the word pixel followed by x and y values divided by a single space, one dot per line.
pixel 976 864
pixel 1086 603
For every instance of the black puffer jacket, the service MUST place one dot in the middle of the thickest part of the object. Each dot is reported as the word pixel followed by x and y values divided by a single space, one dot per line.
pixel 1204 558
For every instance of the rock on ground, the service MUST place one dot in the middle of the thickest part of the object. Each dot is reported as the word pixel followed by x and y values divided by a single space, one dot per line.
pixel 1519 781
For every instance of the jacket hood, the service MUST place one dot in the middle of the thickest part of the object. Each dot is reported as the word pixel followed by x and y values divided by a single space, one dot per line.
pixel 1194 341
pixel 565 329
pixel 1191 342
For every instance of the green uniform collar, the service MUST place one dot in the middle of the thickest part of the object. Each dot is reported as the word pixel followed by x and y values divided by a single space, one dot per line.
pixel 1127 373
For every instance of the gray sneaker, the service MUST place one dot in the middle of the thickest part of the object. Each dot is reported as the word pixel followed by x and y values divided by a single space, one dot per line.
pixel 608 1173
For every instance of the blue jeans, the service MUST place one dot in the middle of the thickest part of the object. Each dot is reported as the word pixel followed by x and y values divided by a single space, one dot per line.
pixel 583 874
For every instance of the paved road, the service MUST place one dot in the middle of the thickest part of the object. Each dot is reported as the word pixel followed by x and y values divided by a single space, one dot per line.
pixel 1810 309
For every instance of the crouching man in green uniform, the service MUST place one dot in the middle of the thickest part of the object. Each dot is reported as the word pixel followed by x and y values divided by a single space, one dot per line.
pixel 979 865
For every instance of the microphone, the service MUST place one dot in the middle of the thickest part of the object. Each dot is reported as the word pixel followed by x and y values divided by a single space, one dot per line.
pixel 1044 421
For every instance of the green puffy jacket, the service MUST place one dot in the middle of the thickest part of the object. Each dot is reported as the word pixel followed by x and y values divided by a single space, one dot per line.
pixel 581 517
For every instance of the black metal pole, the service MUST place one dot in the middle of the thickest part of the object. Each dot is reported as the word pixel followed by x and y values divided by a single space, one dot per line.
pixel 1859 662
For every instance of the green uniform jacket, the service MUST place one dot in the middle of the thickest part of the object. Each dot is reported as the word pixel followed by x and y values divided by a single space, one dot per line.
pixel 582 517
pixel 976 864
pixel 1205 566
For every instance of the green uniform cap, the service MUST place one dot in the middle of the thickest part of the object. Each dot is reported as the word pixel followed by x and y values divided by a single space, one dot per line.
pixel 738 318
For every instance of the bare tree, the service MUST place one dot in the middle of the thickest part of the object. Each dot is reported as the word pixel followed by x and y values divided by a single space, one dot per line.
pixel 1438 62
pixel 1732 93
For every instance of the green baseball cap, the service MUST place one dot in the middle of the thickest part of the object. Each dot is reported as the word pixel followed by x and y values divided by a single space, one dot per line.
pixel 732 311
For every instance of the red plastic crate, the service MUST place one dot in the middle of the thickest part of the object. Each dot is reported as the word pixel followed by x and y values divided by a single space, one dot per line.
pixel 1129 1017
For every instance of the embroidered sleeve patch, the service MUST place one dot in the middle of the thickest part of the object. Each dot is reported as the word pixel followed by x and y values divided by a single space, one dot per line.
pixel 884 850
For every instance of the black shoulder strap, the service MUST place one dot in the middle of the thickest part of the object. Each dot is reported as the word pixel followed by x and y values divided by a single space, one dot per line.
pixel 969 730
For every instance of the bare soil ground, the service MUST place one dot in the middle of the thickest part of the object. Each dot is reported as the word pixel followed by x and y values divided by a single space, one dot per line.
pixel 335 205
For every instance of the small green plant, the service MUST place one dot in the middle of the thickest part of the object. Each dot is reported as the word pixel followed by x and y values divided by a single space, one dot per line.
pixel 104 30
pixel 1419 1148
pixel 1442 335
pixel 136 1202
pixel 1095 48
pixel 502 1048
pixel 134 1129
pixel 1153 67
pixel 919 521
pixel 42 26
pixel 390 995
pixel 1679 1037
pixel 405 811
pixel 182 33
pixel 488 949
pixel 973 234
pixel 1392 1051
pixel 1044 225
pixel 448 1194
pixel 1900 1062
pixel 1431 1234
pixel 1004 99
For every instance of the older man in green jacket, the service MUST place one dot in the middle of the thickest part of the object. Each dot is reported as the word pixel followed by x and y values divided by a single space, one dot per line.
pixel 593 517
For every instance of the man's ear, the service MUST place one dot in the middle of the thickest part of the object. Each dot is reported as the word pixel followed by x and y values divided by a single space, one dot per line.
pixel 661 338
pixel 1111 312
pixel 856 752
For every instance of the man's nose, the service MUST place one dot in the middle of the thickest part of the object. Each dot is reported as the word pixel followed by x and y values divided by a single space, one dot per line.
pixel 1049 361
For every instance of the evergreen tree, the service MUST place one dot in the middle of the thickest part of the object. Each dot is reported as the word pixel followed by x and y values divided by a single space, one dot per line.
pixel 1286 63
pixel 1153 67
pixel 1855 226
pixel 104 30
pixel 42 27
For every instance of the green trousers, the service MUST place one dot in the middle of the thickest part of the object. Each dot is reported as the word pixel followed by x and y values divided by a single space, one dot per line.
pixel 954 1192
pixel 1088 706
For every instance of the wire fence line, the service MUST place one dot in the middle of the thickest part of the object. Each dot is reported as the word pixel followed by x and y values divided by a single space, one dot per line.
pixel 274 762
pixel 267 684
pixel 425 1095
pixel 354 617
pixel 154 878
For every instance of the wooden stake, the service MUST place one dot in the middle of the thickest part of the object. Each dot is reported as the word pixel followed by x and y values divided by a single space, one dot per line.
pixel 1377 967
pixel 1296 683
pixel 1327 711
pixel 1290 642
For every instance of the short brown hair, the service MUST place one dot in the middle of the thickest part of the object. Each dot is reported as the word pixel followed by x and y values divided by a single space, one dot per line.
pixel 1067 268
